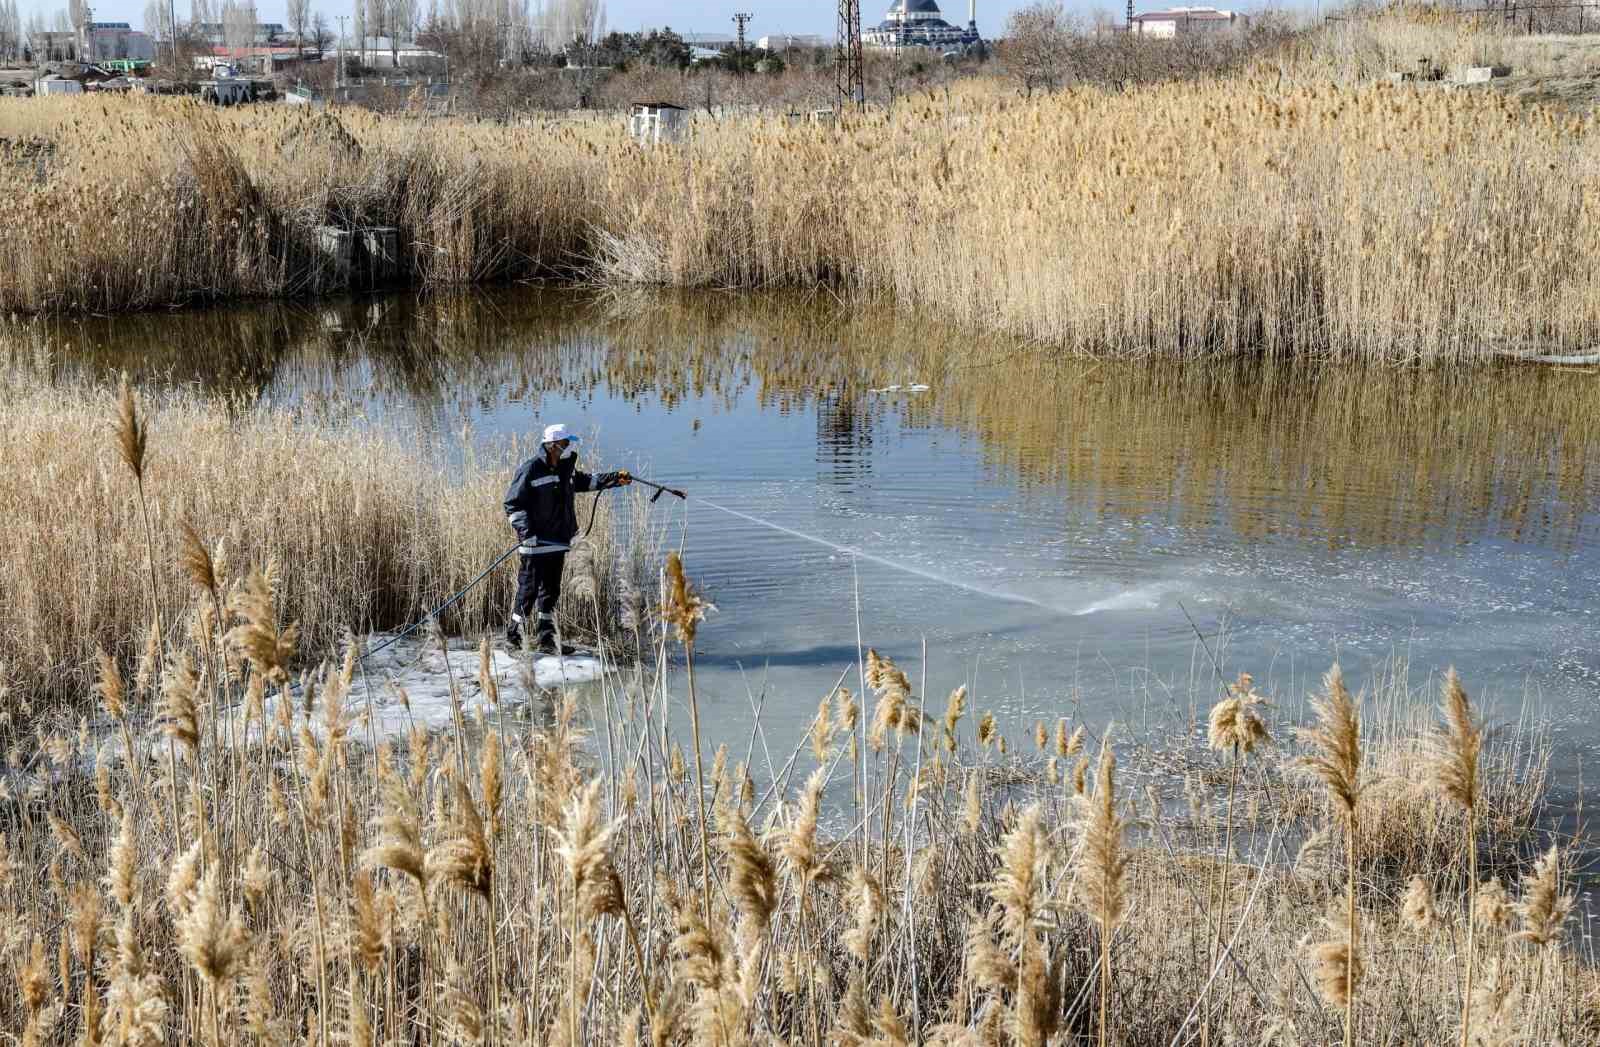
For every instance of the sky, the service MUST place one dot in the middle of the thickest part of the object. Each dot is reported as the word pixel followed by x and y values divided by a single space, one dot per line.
pixel 771 16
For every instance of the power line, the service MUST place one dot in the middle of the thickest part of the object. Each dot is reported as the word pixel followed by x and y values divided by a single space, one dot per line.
pixel 741 19
pixel 848 81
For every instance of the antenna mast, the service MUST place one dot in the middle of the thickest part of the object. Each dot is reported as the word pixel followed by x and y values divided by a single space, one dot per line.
pixel 847 76
pixel 741 20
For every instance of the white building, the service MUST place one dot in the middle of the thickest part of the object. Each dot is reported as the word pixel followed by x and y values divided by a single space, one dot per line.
pixel 1187 21
pixel 919 23
pixel 651 123
pixel 785 41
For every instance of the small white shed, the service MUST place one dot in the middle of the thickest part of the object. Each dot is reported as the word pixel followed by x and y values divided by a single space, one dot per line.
pixel 53 85
pixel 650 123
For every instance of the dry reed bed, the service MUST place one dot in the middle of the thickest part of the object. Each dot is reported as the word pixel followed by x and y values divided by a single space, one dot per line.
pixel 1256 214
pixel 367 529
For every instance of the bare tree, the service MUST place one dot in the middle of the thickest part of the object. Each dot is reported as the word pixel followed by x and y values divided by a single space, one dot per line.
pixel 1037 48
pixel 10 31
pixel 238 24
pixel 321 35
pixel 298 12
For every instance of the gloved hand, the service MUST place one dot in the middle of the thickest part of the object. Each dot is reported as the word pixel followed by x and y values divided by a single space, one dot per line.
pixel 624 478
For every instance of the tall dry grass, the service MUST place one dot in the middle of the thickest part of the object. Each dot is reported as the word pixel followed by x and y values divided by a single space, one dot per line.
pixel 1299 216
pixel 359 529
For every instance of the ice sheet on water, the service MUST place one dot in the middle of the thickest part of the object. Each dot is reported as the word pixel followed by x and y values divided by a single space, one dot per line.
pixel 424 673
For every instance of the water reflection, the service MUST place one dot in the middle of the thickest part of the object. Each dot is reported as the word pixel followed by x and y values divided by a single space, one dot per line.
pixel 1337 457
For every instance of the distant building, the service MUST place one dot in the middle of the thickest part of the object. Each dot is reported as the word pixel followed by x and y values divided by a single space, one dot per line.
pixel 651 123
pixel 786 41
pixel 103 41
pixel 216 34
pixel 223 60
pixel 1187 21
pixel 919 23
pixel 710 41
pixel 382 52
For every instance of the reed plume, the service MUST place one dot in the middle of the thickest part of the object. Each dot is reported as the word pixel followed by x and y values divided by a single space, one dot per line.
pixel 132 435
pixel 463 859
pixel 1335 758
pixel 1491 905
pixel 1453 754
pixel 1339 969
pixel 1102 867
pixel 1543 909
pixel 113 693
pixel 270 650
pixel 1416 906
pixel 195 559
pixel 399 832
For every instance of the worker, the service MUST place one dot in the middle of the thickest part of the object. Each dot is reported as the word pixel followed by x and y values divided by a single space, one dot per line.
pixel 539 507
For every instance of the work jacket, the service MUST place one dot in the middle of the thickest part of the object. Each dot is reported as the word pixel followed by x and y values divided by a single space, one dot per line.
pixel 539 503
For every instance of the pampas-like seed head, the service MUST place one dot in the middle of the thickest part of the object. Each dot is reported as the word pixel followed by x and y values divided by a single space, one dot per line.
pixel 179 715
pixel 465 859
pixel 1543 908
pixel 1454 750
pixel 1416 907
pixel 1019 886
pixel 849 710
pixel 581 844
pixel 121 864
pixel 399 831
pixel 683 607
pixel 1491 906
pixel 753 878
pixel 868 895
pixel 131 432
pixel 1339 968
pixel 955 707
pixel 1335 742
pixel 113 692
pixel 822 730
pixel 195 559
pixel 1100 883
pixel 800 842
pixel 486 674
pixel 986 729
pixel 269 649
pixel 1234 724
pixel 215 945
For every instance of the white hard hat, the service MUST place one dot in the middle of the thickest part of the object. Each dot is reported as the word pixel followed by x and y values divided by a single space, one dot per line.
pixel 555 433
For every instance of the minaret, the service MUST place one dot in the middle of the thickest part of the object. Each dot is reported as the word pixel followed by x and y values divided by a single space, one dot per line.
pixel 972 15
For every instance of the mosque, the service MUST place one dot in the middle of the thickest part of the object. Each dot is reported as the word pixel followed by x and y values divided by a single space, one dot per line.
pixel 918 23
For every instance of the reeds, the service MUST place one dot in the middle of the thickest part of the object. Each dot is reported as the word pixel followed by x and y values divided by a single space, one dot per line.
pixel 1335 759
pixel 1454 753
pixel 151 202
pixel 376 530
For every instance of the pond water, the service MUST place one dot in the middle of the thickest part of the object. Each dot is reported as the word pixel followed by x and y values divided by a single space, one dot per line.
pixel 1047 529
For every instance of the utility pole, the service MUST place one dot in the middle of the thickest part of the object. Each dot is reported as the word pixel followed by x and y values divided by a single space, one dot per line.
pixel 1130 18
pixel 338 62
pixel 848 81
pixel 741 20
